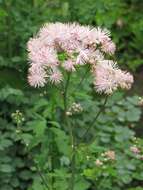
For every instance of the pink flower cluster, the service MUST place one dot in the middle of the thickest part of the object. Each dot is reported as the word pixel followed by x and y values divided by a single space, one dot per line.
pixel 109 77
pixel 81 45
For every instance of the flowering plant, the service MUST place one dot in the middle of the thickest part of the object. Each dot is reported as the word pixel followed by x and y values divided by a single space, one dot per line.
pixel 81 45
pixel 56 53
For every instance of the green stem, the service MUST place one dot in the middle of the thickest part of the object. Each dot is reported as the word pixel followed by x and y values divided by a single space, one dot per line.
pixel 96 117
pixel 42 177
pixel 82 80
pixel 65 94
pixel 34 3
pixel 39 172
pixel 72 178
pixel 52 158
pixel 73 164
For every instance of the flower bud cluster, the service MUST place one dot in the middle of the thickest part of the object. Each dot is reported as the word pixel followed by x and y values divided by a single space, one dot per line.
pixel 18 117
pixel 98 162
pixel 137 152
pixel 109 155
pixel 136 148
pixel 106 156
pixel 74 109
pixel 140 101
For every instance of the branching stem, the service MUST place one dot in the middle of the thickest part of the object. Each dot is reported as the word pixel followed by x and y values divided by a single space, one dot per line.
pixel 40 174
pixel 82 80
pixel 96 117
pixel 42 177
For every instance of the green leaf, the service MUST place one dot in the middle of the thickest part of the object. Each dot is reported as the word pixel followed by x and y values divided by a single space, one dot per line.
pixel 6 168
pixel 27 138
pixel 38 127
pixel 61 139
pixel 4 143
pixel 133 115
pixel 81 184
pixel 25 175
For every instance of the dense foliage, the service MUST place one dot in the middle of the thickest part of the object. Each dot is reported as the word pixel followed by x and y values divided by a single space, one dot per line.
pixel 33 145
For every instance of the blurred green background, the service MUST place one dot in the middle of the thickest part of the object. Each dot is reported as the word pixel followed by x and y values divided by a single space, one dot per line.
pixel 20 20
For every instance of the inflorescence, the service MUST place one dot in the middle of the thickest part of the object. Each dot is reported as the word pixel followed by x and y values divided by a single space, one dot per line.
pixel 81 45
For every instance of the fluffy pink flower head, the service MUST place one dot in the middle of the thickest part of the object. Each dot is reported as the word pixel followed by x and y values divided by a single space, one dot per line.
pixel 105 72
pixel 101 35
pixel 83 57
pixel 34 44
pixel 125 79
pixel 81 45
pixel 37 79
pixel 108 77
pixel 108 47
pixel 55 76
pixel 69 65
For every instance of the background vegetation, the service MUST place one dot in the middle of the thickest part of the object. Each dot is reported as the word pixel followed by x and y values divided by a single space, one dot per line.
pixel 33 128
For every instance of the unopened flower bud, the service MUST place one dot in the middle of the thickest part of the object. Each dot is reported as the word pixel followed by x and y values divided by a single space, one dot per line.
pixel 140 103
pixel 134 149
pixel 98 162
pixel 68 113
pixel 17 117
pixel 110 155
pixel 141 157
pixel 120 23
